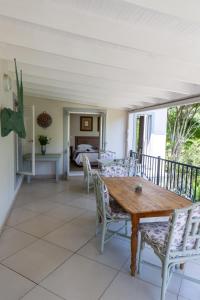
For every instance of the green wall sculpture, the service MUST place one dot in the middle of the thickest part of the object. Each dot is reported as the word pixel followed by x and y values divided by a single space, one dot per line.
pixel 11 120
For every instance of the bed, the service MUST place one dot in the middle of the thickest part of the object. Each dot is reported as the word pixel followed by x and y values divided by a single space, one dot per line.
pixel 88 145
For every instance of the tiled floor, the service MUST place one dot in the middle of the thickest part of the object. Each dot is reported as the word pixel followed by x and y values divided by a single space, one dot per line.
pixel 48 251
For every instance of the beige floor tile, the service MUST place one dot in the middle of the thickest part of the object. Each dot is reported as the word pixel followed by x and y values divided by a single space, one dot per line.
pixel 79 279
pixel 40 206
pixel 84 202
pixel 116 252
pixel 86 221
pixel 69 236
pixel 40 225
pixel 65 212
pixel 189 289
pixel 19 215
pixel 23 199
pixel 12 241
pixel 6 227
pixel 126 287
pixel 152 274
pixel 39 293
pixel 37 260
pixel 66 197
pixel 12 285
pixel 147 255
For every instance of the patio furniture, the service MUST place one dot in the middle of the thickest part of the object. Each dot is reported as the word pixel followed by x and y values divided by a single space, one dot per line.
pixel 104 162
pixel 119 168
pixel 153 201
pixel 107 154
pixel 114 171
pixel 88 172
pixel 108 211
pixel 175 242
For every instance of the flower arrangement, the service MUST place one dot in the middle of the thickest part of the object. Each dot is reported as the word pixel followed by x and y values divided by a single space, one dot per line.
pixel 43 140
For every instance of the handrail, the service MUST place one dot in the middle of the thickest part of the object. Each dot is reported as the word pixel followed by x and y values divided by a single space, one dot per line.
pixel 181 178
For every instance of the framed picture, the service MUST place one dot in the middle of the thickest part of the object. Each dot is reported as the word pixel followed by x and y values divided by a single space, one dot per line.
pixel 86 123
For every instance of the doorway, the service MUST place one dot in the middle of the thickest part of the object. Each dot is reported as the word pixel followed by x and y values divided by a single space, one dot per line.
pixel 84 133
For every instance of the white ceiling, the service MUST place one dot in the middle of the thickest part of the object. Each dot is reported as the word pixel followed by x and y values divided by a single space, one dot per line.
pixel 110 53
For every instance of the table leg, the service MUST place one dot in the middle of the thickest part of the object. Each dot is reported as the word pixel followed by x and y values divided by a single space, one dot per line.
pixel 28 179
pixel 134 243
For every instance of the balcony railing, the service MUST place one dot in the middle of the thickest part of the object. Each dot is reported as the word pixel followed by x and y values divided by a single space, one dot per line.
pixel 180 178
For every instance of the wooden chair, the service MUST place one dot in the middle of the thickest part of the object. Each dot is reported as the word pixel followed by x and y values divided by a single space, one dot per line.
pixel 88 173
pixel 175 242
pixel 107 212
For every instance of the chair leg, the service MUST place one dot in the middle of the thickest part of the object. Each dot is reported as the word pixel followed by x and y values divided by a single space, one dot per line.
pixel 126 227
pixel 88 185
pixel 141 247
pixel 103 234
pixel 164 281
pixel 97 224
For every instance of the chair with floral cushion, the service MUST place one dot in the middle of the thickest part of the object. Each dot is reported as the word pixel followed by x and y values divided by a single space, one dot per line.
pixel 174 242
pixel 108 211
pixel 119 168
pixel 107 155
pixel 114 171
pixel 131 164
pixel 88 172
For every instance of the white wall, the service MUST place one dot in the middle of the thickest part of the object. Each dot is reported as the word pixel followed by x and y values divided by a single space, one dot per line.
pixel 75 128
pixel 115 135
pixel 157 144
pixel 7 170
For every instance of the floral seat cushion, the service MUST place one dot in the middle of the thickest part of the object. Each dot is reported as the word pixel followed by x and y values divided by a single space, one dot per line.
pixel 115 211
pixel 155 234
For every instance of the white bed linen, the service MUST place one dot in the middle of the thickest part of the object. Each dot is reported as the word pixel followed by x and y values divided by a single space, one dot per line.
pixel 91 154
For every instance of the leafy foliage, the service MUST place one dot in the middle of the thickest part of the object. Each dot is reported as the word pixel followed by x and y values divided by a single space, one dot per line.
pixel 44 140
pixel 183 134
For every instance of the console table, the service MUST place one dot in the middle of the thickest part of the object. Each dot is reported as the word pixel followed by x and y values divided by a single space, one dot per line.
pixel 55 157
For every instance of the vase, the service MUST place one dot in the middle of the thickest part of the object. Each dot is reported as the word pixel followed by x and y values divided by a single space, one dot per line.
pixel 43 149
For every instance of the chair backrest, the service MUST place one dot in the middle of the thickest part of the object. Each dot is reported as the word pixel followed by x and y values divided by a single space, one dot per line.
pixel 86 165
pixel 102 196
pixel 114 171
pixel 107 154
pixel 184 232
pixel 131 164
pixel 120 168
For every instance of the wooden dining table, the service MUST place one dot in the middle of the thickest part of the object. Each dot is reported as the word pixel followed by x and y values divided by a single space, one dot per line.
pixel 152 201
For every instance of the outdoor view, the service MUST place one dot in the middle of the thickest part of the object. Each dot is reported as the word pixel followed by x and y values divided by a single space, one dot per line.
pixel 183 146
pixel 179 171
pixel 183 134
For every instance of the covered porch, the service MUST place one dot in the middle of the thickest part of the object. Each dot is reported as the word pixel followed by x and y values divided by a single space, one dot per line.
pixel 49 251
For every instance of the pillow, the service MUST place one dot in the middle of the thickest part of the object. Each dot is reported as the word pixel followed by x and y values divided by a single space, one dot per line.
pixel 84 147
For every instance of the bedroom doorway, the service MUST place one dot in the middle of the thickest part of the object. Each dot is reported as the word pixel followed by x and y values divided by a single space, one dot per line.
pixel 84 133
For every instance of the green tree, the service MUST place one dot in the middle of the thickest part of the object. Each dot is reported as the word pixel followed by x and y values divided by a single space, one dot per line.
pixel 183 132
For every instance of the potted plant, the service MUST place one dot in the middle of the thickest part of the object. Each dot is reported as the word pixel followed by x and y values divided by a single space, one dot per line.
pixel 43 140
